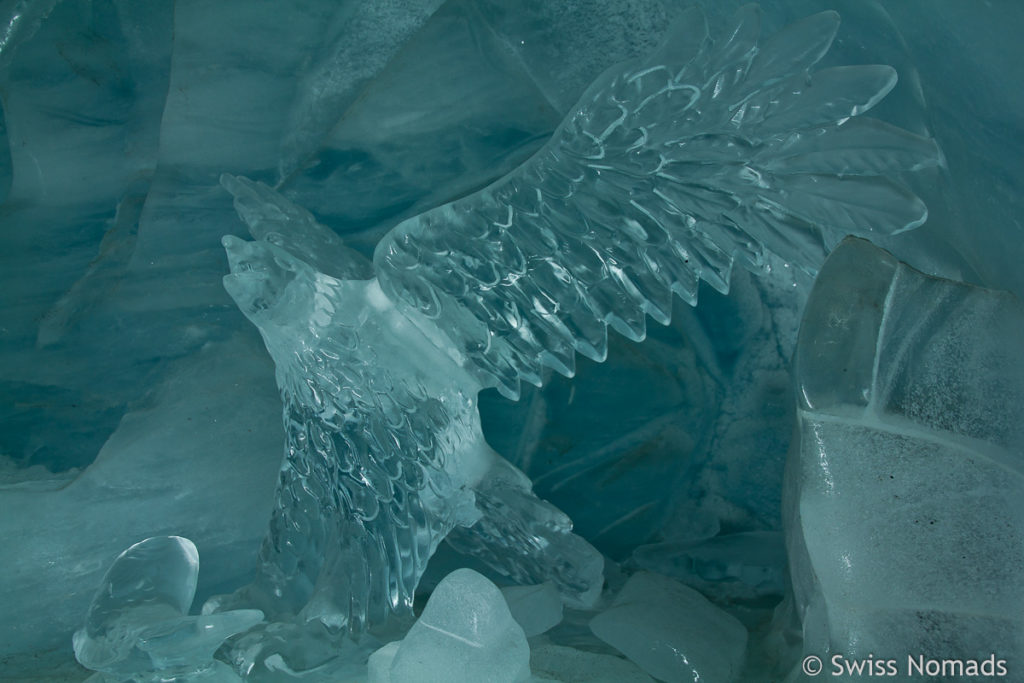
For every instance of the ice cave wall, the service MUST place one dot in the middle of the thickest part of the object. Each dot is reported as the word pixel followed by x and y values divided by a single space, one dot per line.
pixel 136 401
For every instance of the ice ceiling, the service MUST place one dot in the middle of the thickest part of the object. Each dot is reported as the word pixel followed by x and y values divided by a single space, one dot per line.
pixel 137 401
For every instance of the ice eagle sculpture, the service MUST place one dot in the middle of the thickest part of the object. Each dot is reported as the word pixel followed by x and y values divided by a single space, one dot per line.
pixel 668 171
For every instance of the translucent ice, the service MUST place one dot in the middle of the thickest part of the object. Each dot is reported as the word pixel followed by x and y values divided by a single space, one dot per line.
pixel 672 632
pixel 116 338
pixel 273 218
pixel 911 418
pixel 384 459
pixel 349 421
pixel 465 633
pixel 536 608
pixel 138 624
pixel 670 170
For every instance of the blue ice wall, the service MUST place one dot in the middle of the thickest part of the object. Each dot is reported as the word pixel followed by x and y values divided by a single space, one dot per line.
pixel 135 400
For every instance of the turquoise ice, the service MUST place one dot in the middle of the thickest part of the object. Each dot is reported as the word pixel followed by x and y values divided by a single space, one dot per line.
pixel 442 205
pixel 670 170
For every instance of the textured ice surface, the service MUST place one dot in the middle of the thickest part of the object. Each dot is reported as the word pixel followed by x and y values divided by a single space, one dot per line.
pixel 465 633
pixel 138 623
pixel 911 422
pixel 358 42
pixel 672 632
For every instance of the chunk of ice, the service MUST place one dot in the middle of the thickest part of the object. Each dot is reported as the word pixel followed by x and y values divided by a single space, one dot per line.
pixel 911 423
pixel 535 608
pixel 138 623
pixel 672 632
pixel 465 633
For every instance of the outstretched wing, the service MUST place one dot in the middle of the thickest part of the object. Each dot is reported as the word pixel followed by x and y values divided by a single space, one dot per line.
pixel 667 172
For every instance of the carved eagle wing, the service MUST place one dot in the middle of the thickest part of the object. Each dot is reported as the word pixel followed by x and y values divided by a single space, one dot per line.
pixel 667 172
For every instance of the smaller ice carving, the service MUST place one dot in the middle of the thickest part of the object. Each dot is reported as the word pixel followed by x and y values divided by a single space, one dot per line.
pixel 672 632
pixel 138 624
pixel 466 633
pixel 911 422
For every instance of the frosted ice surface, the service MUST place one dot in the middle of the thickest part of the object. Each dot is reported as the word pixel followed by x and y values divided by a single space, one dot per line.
pixel 555 41
pixel 672 632
pixel 536 608
pixel 465 634
pixel 138 623
pixel 911 421
pixel 568 665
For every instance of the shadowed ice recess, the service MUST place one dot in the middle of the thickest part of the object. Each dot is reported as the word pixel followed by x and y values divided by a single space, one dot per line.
pixel 449 229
